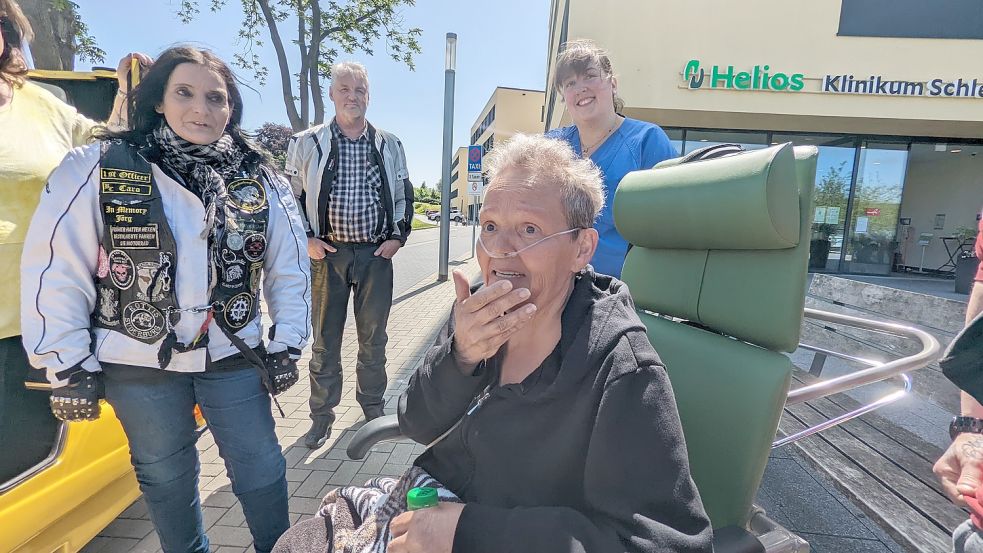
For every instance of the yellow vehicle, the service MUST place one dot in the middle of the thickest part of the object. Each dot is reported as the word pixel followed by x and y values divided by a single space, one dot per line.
pixel 61 483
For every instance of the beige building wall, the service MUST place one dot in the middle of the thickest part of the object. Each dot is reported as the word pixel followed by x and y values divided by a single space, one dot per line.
pixel 515 110
pixel 651 48
pixel 459 178
pixel 940 183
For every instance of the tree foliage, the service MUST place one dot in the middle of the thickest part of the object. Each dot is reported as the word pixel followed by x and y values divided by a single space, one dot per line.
pixel 322 31
pixel 273 137
pixel 60 35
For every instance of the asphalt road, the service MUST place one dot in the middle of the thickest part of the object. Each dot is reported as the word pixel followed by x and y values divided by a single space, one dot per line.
pixel 419 258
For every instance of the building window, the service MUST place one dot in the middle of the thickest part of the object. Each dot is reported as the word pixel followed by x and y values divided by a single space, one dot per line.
pixel 485 123
pixel 454 177
pixel 487 146
pixel 954 19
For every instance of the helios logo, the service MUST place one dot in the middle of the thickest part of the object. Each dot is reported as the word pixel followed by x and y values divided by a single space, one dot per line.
pixel 760 77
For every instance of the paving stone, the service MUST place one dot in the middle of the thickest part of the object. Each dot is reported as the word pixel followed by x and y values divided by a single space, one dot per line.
pixel 312 486
pixel 128 528
pixel 230 535
pixel 304 505
pixel 149 544
pixel 233 517
pixel 137 510
pixel 112 545
pixel 297 474
pixel 220 499
pixel 211 515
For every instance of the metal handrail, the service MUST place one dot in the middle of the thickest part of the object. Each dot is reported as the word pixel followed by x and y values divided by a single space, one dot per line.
pixel 875 372
pixel 929 353
pixel 838 420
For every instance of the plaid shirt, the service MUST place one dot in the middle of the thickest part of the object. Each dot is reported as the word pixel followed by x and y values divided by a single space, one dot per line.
pixel 355 209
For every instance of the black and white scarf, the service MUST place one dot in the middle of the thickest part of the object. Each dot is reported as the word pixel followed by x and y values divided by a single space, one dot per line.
pixel 205 168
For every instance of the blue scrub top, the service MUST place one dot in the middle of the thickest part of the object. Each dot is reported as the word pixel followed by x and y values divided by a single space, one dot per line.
pixel 635 145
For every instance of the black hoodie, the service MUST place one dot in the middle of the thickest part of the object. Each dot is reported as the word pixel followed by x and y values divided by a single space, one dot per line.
pixel 585 455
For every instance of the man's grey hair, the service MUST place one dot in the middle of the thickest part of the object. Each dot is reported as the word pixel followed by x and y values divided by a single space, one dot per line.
pixel 551 163
pixel 350 69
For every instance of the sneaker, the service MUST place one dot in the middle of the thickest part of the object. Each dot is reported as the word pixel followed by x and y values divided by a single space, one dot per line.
pixel 318 434
pixel 373 412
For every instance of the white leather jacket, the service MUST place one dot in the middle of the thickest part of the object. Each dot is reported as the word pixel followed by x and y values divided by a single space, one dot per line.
pixel 61 254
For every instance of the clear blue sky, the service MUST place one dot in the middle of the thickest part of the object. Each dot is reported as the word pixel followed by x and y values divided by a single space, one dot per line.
pixel 500 43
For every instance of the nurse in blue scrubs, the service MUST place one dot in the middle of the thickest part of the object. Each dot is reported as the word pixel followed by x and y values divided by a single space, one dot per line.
pixel 615 143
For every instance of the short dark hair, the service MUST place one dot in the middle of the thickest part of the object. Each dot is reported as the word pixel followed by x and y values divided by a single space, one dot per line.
pixel 143 101
pixel 16 30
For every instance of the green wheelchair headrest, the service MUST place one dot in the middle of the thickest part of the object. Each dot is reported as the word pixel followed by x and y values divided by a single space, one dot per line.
pixel 740 202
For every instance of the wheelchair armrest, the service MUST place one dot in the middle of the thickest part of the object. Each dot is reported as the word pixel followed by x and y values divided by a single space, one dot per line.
pixel 375 431
pixel 731 539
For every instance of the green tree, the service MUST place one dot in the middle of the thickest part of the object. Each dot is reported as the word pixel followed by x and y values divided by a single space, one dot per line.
pixel 321 33
pixel 60 35
pixel 274 137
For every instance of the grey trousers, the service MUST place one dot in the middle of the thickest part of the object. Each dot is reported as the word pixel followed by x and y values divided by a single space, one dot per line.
pixel 967 539
pixel 351 271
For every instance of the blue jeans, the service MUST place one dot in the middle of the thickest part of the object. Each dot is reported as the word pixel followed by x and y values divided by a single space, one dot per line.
pixel 156 409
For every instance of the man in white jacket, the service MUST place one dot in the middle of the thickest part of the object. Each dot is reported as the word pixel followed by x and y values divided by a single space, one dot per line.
pixel 351 181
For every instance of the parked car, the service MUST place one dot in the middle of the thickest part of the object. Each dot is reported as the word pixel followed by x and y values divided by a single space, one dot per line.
pixel 433 214
pixel 61 483
pixel 455 215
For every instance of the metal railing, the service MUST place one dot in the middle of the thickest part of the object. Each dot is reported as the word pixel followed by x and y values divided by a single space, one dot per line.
pixel 875 372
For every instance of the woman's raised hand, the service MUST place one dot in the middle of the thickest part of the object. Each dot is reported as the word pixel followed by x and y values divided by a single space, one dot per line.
pixel 483 322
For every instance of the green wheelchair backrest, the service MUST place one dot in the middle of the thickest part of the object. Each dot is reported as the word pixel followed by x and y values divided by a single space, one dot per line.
pixel 718 273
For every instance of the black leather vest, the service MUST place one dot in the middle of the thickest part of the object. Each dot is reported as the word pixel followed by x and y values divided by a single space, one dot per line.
pixel 135 281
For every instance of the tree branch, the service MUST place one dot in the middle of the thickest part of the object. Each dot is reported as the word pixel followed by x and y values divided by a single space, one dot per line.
pixel 317 93
pixel 327 32
pixel 281 58
pixel 305 109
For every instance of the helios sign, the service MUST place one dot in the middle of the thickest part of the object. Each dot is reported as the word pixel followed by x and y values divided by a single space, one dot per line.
pixel 759 77
pixel 697 76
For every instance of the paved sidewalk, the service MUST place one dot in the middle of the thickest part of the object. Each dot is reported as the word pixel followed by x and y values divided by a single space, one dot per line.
pixel 416 318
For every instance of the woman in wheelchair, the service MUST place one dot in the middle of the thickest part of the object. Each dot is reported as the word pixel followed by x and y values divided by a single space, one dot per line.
pixel 548 412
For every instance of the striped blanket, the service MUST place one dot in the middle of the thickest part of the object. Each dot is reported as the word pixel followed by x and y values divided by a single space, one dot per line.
pixel 355 519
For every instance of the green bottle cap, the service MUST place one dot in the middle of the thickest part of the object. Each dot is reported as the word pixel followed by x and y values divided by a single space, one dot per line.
pixel 421 498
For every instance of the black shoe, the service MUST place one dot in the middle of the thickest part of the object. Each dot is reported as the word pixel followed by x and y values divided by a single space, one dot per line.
pixel 373 412
pixel 318 434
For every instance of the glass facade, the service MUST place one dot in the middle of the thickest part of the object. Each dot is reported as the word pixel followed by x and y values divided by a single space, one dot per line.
pixel 857 200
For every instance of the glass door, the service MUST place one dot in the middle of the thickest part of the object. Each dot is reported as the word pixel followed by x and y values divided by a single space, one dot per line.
pixel 834 173
pixel 872 237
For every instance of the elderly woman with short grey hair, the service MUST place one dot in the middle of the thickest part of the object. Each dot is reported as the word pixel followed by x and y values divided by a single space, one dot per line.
pixel 548 412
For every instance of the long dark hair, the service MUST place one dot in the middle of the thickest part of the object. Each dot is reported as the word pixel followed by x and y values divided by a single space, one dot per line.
pixel 142 103
pixel 16 30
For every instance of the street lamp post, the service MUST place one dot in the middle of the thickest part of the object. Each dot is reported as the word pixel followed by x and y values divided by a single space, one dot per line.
pixel 450 63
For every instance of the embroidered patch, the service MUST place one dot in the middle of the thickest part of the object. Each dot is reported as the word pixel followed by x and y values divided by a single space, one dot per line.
pixel 255 247
pixel 123 181
pixel 116 211
pixel 234 275
pixel 108 300
pixel 153 279
pixel 135 238
pixel 103 270
pixel 234 240
pixel 237 310
pixel 255 273
pixel 121 269
pixel 142 320
pixel 247 195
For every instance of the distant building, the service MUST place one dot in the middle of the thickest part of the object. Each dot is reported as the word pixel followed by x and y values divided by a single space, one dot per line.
pixel 508 111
